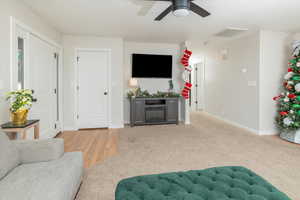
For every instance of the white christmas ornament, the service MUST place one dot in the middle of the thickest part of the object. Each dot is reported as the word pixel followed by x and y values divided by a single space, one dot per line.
pixel 287 121
pixel 291 82
pixel 288 75
pixel 297 87
pixel 292 112
pixel 298 64
pixel 286 99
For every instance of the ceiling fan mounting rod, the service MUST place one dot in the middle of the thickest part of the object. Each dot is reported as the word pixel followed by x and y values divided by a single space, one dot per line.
pixel 181 4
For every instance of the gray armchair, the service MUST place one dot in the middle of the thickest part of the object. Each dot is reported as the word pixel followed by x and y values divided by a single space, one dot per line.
pixel 39 169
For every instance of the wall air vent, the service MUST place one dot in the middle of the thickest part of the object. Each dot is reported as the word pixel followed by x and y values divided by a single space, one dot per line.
pixel 231 32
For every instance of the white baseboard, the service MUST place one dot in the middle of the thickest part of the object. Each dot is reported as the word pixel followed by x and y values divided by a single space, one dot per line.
pixel 116 126
pixel 266 133
pixel 254 131
pixel 70 128
pixel 186 122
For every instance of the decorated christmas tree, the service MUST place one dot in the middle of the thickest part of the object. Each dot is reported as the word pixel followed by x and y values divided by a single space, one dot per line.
pixel 288 118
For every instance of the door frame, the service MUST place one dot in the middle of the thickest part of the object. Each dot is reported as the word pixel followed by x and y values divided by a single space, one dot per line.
pixel 76 78
pixel 14 25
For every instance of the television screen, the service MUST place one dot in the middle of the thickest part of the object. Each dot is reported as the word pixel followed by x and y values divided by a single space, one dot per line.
pixel 151 66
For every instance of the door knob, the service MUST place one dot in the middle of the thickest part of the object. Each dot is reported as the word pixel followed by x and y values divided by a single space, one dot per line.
pixel 105 93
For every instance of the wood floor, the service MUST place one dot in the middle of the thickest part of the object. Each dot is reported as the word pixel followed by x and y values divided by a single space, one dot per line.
pixel 96 145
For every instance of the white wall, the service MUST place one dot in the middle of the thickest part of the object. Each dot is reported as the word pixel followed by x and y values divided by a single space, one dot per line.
pixel 70 43
pixel 23 13
pixel 152 85
pixel 227 91
pixel 275 50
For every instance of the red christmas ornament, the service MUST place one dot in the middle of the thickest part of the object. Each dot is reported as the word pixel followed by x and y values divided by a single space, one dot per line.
pixel 283 113
pixel 290 70
pixel 277 97
pixel 292 96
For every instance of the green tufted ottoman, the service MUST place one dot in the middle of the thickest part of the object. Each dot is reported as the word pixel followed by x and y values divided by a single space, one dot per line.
pixel 221 183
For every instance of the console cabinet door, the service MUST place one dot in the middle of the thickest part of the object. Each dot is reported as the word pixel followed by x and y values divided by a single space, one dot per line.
pixel 138 112
pixel 172 110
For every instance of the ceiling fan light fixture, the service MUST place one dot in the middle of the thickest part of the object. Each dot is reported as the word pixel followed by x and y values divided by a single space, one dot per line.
pixel 183 12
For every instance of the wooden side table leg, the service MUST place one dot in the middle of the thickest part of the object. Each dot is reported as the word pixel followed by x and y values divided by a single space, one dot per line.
pixel 37 131
pixel 23 135
pixel 14 136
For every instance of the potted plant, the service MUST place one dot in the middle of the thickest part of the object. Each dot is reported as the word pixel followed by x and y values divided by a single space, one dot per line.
pixel 21 102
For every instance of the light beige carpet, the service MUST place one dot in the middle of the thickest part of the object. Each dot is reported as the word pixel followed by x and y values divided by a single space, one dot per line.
pixel 206 143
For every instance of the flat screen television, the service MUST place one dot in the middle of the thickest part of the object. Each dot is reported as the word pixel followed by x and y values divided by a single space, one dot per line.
pixel 151 66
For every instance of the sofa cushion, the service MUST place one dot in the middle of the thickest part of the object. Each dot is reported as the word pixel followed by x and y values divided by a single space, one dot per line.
pixel 31 151
pixel 222 183
pixel 9 157
pixel 53 180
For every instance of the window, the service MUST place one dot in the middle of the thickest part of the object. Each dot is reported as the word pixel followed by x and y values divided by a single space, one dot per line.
pixel 20 55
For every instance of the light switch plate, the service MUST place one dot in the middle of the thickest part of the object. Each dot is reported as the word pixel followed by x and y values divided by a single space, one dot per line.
pixel 244 70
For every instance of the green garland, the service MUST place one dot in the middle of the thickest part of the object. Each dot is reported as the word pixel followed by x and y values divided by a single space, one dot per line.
pixel 138 93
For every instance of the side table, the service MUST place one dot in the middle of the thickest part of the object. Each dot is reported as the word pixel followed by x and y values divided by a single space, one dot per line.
pixel 21 129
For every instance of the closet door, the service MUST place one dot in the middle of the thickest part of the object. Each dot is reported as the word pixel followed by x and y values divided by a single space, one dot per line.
pixel 40 75
pixel 93 67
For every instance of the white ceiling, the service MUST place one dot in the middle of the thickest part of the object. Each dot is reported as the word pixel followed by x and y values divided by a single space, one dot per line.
pixel 121 18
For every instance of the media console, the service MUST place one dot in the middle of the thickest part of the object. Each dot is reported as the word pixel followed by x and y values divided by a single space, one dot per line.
pixel 153 111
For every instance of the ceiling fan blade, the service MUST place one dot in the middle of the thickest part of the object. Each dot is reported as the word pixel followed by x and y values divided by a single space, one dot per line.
pixel 200 11
pixel 164 13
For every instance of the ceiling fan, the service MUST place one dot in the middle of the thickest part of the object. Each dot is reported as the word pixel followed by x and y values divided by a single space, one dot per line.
pixel 181 8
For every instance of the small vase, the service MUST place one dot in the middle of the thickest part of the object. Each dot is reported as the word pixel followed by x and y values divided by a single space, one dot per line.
pixel 293 136
pixel 19 117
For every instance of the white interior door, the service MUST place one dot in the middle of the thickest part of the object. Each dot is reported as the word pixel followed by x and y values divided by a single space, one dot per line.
pixel 40 75
pixel 198 87
pixel 93 94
